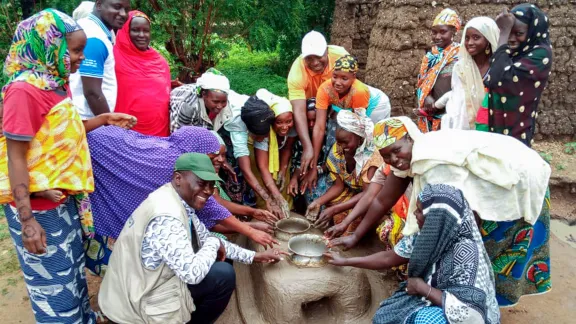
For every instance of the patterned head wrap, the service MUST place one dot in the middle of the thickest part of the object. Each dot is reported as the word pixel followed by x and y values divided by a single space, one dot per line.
pixel 39 51
pixel 448 17
pixel 537 21
pixel 357 123
pixel 213 80
pixel 445 197
pixel 346 63
pixel 388 131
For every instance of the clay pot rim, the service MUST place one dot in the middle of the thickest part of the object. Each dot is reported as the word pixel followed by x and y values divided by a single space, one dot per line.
pixel 296 220
pixel 311 237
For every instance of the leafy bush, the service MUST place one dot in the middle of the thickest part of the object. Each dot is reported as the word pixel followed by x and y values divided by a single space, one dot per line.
pixel 250 71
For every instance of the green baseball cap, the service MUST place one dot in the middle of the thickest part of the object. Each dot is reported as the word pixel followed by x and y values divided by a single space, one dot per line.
pixel 199 164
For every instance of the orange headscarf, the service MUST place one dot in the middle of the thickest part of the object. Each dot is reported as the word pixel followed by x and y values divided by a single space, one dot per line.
pixel 388 131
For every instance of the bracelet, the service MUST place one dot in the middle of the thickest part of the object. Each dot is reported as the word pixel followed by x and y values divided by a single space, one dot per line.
pixel 429 291
pixel 320 170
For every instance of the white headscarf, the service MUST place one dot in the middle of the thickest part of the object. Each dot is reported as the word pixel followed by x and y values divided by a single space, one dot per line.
pixel 501 178
pixel 213 79
pixel 83 10
pixel 468 72
pixel 356 122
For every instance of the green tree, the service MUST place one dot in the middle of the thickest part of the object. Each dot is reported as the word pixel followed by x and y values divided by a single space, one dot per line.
pixel 195 34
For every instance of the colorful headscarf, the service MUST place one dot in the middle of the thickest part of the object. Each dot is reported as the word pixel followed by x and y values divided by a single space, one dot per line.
pixel 448 17
pixel 432 65
pixel 39 51
pixel 357 123
pixel 388 131
pixel 346 63
pixel 213 80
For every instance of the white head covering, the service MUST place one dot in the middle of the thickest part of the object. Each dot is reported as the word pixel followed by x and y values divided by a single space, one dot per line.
pixel 468 71
pixel 279 105
pixel 213 79
pixel 356 122
pixel 83 10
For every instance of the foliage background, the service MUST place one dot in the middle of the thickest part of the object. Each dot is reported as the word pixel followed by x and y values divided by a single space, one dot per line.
pixel 253 42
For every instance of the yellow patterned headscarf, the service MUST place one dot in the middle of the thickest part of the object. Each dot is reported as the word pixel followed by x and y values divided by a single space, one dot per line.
pixel 448 17
pixel 388 131
pixel 346 63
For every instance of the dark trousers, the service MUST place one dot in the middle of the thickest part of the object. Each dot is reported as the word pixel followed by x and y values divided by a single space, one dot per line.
pixel 211 296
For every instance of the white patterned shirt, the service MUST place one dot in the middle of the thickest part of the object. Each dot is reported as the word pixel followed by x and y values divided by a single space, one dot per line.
pixel 166 240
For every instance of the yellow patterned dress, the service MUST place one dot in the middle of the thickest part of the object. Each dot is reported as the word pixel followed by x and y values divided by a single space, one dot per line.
pixel 353 183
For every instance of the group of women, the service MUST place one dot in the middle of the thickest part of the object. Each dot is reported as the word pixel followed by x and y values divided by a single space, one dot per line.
pixel 476 235
pixel 466 210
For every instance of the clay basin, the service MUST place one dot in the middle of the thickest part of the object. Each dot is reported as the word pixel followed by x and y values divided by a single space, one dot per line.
pixel 307 249
pixel 288 227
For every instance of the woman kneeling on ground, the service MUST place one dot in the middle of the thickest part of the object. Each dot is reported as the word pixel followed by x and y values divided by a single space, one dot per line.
pixel 504 181
pixel 450 276
pixel 352 162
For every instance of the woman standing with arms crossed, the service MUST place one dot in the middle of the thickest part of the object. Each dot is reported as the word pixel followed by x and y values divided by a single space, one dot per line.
pixel 44 148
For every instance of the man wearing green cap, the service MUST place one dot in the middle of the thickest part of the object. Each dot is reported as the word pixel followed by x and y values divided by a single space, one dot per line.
pixel 166 264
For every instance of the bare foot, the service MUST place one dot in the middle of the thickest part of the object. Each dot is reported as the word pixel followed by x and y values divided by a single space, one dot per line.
pixel 52 195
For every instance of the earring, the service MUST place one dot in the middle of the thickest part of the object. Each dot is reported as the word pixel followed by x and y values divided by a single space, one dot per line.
pixel 487 51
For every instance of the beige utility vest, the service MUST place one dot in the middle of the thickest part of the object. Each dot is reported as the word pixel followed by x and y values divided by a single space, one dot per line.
pixel 132 294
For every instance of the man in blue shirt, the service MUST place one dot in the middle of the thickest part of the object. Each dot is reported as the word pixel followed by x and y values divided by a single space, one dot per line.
pixel 94 86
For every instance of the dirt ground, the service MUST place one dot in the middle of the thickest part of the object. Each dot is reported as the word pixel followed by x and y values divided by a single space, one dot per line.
pixel 557 306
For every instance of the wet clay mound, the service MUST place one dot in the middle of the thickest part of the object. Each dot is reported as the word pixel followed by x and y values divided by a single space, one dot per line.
pixel 285 294
pixel 391 52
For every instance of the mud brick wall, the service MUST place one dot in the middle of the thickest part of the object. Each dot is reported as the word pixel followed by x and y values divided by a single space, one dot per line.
pixel 389 37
